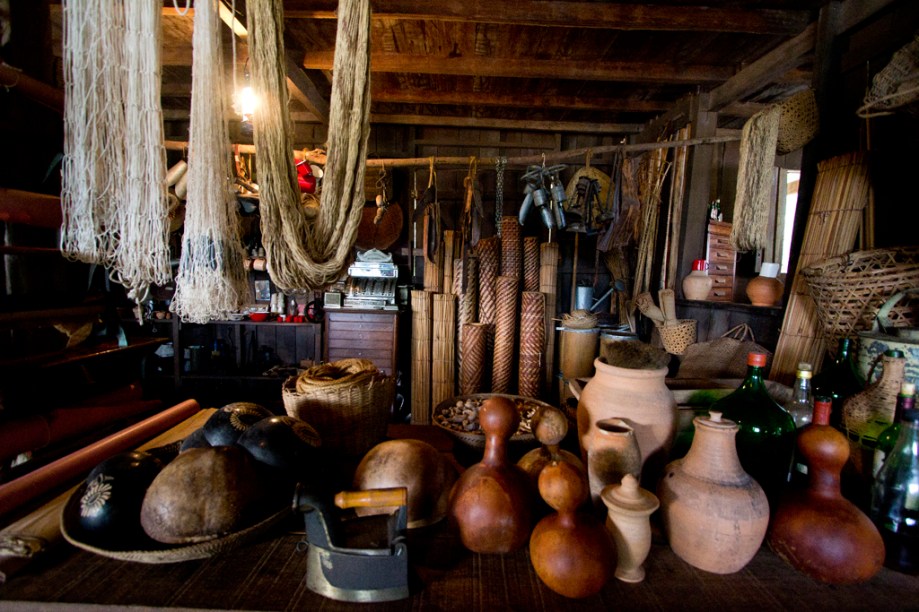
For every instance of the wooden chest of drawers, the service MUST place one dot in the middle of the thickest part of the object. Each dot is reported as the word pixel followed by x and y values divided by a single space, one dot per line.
pixel 721 262
pixel 362 334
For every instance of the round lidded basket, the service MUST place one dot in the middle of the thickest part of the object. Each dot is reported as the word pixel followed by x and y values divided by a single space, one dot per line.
pixel 677 336
pixel 475 439
pixel 348 403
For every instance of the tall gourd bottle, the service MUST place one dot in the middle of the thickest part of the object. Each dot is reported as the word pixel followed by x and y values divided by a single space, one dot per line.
pixel 766 436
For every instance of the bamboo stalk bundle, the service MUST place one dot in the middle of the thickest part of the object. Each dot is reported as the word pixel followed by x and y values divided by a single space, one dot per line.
pixel 488 251
pixel 434 272
pixel 443 368
pixel 531 263
pixel 532 342
pixel 840 195
pixel 506 290
pixel 548 279
pixel 675 212
pixel 510 247
pixel 422 328
pixel 653 170
pixel 473 359
pixel 447 263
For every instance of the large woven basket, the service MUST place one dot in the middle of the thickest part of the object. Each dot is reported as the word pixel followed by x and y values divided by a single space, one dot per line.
pixel 799 122
pixel 348 402
pixel 849 289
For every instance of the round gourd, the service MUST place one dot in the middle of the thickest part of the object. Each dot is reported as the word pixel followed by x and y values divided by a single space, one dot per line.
pixel 202 494
pixel 282 442
pixel 109 509
pixel 225 426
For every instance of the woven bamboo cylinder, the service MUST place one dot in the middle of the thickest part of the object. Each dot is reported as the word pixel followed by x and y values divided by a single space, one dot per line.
pixel 421 357
pixel 434 272
pixel 506 316
pixel 468 301
pixel 532 342
pixel 448 251
pixel 548 278
pixel 443 369
pixel 531 263
pixel 511 247
pixel 473 360
pixel 457 286
pixel 488 251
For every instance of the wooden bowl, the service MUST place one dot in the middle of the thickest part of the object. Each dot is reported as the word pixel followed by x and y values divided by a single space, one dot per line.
pixel 476 438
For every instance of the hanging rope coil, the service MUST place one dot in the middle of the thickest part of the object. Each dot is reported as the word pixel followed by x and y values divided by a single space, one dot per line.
pixel 302 253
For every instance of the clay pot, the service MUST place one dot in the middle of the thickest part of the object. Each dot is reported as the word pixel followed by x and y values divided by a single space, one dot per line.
pixel 697 284
pixel 714 513
pixel 817 530
pixel 491 503
pixel 628 510
pixel 612 452
pixel 550 426
pixel 639 397
pixel 765 290
pixel 571 551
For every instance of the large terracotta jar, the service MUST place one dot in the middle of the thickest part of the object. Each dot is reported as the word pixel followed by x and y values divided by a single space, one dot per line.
pixel 714 513
pixel 639 397
pixel 817 530
pixel 492 502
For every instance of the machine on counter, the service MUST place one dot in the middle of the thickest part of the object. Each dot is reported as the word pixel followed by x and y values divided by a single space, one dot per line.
pixel 371 283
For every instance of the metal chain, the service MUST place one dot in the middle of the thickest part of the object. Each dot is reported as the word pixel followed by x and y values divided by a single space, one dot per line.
pixel 500 164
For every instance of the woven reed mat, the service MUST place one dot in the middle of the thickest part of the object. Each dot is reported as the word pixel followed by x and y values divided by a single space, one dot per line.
pixel 506 289
pixel 422 329
pixel 531 263
pixel 443 367
pixel 532 343
pixel 472 361
pixel 511 247
pixel 548 279
pixel 269 575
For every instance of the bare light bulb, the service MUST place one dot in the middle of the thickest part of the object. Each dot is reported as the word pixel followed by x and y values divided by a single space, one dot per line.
pixel 246 101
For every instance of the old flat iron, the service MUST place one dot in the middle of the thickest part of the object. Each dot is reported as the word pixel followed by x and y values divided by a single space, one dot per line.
pixel 360 560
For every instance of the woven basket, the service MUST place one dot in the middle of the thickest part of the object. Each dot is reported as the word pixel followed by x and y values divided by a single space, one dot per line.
pixel 678 336
pixel 799 122
pixel 849 289
pixel 476 439
pixel 350 412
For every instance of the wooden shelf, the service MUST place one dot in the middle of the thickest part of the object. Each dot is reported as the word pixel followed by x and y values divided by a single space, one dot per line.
pixel 82 353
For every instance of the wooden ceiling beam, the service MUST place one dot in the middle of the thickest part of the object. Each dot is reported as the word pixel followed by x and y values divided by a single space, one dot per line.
pixel 546 13
pixel 518 100
pixel 304 90
pixel 508 124
pixel 648 72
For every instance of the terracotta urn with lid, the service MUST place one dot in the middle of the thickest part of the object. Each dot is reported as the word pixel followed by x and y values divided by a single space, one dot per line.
pixel 628 510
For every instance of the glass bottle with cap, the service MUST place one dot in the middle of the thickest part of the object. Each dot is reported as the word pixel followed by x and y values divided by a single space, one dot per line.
pixel 895 498
pixel 801 404
pixel 906 400
pixel 766 436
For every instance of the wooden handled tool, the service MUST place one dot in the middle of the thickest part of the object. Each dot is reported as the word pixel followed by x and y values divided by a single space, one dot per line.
pixel 372 498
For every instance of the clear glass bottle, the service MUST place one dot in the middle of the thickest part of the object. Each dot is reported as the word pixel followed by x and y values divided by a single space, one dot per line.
pixel 766 436
pixel 801 404
pixel 839 380
pixel 895 498
pixel 906 400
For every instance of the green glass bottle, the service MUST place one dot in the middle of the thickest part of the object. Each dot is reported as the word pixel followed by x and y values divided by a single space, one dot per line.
pixel 906 400
pixel 839 380
pixel 766 436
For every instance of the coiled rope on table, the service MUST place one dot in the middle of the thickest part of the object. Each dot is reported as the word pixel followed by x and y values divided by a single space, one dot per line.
pixel 307 253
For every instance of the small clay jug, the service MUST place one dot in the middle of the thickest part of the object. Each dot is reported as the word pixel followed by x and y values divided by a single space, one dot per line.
pixel 628 510
pixel 492 502
pixel 766 289
pixel 816 530
pixel 638 396
pixel 715 514
pixel 571 551
pixel 697 284
pixel 550 426
pixel 612 452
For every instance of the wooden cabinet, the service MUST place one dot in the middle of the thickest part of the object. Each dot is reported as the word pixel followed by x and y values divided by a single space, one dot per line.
pixel 722 260
pixel 364 334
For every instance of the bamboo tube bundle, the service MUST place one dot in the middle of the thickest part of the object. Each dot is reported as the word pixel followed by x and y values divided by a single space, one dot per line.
pixel 511 247
pixel 488 251
pixel 506 290
pixel 473 359
pixel 447 263
pixel 532 343
pixel 548 279
pixel 443 368
pixel 840 195
pixel 434 272
pixel 422 328
pixel 531 263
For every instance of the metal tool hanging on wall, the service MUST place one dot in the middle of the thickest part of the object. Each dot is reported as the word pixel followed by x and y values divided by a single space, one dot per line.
pixel 544 190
